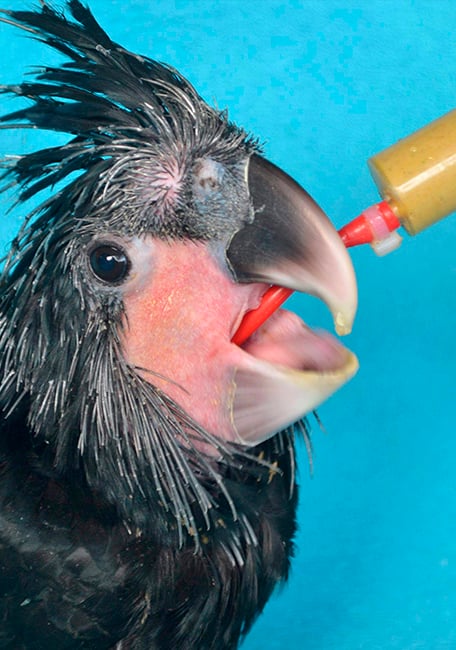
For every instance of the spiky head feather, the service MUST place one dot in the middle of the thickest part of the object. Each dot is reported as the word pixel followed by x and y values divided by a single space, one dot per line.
pixel 139 129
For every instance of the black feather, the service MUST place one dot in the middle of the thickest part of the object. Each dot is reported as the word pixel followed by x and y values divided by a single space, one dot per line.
pixel 127 112
pixel 114 526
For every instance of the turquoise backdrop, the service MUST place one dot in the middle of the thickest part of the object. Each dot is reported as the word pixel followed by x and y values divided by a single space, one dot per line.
pixel 325 84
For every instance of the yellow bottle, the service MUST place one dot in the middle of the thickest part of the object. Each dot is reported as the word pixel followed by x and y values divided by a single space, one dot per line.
pixel 416 178
pixel 417 175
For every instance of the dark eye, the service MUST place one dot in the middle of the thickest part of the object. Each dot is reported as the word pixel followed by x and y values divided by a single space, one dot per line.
pixel 109 263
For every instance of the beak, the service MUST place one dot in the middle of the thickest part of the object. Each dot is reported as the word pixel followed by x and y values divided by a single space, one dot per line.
pixel 288 370
pixel 292 243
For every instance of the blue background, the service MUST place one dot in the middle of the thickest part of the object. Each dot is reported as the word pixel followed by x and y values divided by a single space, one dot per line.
pixel 326 84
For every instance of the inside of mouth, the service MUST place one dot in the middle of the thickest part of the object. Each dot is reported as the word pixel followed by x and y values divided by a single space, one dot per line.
pixel 285 340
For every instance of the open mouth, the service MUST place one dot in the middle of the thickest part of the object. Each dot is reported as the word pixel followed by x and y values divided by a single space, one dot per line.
pixel 286 340
pixel 288 370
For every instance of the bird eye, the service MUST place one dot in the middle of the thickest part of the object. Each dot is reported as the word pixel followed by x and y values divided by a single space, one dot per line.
pixel 109 263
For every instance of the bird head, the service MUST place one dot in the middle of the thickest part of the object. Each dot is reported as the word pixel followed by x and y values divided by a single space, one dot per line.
pixel 122 291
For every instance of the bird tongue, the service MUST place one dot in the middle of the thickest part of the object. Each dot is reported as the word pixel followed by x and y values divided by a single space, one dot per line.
pixel 289 371
pixel 286 341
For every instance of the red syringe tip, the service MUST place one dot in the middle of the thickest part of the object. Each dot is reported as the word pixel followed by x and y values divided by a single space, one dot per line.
pixel 270 302
pixel 374 225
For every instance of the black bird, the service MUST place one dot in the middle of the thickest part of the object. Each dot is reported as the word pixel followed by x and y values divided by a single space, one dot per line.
pixel 147 492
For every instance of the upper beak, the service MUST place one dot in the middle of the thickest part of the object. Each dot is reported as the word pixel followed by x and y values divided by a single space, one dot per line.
pixel 292 243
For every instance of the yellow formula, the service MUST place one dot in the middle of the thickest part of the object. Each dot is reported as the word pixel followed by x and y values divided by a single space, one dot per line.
pixel 417 175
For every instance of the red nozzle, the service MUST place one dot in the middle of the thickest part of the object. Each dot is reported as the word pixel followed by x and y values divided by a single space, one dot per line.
pixel 374 224
pixel 270 302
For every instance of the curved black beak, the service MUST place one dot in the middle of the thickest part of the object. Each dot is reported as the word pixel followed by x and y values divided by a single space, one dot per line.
pixel 293 244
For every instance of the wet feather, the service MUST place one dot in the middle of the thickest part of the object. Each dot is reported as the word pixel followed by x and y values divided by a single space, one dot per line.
pixel 101 465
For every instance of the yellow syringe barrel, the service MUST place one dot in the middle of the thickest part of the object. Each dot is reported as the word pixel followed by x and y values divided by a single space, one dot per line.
pixel 417 175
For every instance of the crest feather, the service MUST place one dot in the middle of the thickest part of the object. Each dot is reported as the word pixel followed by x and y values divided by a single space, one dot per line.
pixel 113 102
